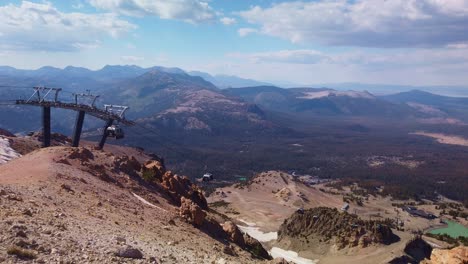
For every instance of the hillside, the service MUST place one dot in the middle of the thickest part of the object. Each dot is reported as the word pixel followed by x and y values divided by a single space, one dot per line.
pixel 227 81
pixel 240 132
pixel 64 204
pixel 320 101
pixel 332 226
pixel 438 105
pixel 269 208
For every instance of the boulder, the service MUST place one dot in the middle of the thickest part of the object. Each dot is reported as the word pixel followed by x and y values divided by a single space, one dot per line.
pixel 82 154
pixel 175 186
pixel 129 252
pixel 178 187
pixel 256 248
pixel 156 168
pixel 229 250
pixel 191 212
pixel 126 164
pixel 234 234
pixel 458 255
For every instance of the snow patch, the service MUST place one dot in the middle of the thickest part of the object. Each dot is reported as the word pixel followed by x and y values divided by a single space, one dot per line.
pixel 290 256
pixel 146 202
pixel 247 223
pixel 6 152
pixel 443 138
pixel 255 232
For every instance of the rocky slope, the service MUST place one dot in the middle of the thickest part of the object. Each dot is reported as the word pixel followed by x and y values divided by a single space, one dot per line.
pixel 75 205
pixel 415 251
pixel 458 255
pixel 335 227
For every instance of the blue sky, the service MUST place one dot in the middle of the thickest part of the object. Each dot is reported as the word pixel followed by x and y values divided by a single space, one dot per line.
pixel 418 42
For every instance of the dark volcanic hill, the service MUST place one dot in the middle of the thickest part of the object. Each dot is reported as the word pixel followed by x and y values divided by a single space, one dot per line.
pixel 184 102
pixel 321 101
pixel 456 107
pixel 331 225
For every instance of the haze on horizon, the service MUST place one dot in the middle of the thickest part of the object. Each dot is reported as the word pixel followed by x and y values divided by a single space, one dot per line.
pixel 407 42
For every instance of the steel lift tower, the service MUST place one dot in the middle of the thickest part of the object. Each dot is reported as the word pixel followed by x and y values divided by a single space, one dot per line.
pixel 48 97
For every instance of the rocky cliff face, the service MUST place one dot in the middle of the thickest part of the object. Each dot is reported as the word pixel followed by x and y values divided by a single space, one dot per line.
pixel 176 186
pixel 458 255
pixel 340 228
pixel 7 133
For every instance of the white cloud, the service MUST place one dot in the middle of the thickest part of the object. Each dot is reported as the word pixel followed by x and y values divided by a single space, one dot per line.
pixel 285 56
pixel 130 46
pixel 33 26
pixel 87 45
pixel 78 5
pixel 458 45
pixel 132 58
pixel 192 11
pixel 243 32
pixel 362 58
pixel 367 23
pixel 228 21
pixel 434 66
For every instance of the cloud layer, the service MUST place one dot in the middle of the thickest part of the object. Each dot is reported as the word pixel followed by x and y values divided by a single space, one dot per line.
pixel 192 11
pixel 362 58
pixel 365 23
pixel 32 26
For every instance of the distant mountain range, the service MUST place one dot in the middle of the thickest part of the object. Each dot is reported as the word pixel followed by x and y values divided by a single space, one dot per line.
pixel 228 81
pixel 164 97
pixel 385 89
pixel 200 127
pixel 71 76
pixel 321 102
pixel 194 100
pixel 436 105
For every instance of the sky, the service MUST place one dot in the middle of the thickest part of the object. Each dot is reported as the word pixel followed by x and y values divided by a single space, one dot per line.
pixel 401 42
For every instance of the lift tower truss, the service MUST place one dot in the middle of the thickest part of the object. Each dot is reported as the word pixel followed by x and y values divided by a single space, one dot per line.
pixel 42 97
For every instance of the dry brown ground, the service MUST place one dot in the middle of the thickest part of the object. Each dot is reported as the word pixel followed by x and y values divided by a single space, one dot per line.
pixel 65 214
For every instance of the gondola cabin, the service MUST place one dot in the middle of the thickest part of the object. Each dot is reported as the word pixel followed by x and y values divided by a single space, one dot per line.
pixel 207 177
pixel 115 132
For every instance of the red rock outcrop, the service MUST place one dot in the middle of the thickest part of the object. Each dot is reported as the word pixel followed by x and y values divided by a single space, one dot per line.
pixel 82 154
pixel 234 234
pixel 126 164
pixel 191 212
pixel 155 168
pixel 176 186
pixel 6 133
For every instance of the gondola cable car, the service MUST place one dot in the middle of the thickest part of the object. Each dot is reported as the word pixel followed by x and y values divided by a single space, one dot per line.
pixel 116 132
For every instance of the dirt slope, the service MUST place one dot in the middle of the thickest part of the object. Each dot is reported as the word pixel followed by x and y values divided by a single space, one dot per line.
pixel 76 205
pixel 269 198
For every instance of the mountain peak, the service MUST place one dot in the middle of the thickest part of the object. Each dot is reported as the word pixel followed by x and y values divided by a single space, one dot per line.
pixel 112 67
pixel 49 68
